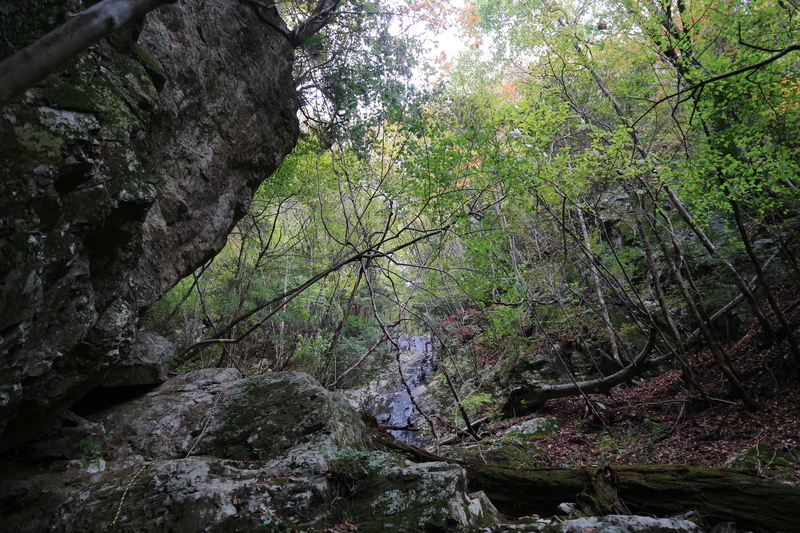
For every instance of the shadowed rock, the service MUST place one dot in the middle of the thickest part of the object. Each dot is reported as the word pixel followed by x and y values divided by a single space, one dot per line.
pixel 210 451
pixel 120 175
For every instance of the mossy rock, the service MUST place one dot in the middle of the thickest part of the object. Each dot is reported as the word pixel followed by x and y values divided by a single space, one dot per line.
pixel 535 428
pixel 261 417
pixel 502 455
pixel 409 497
pixel 766 460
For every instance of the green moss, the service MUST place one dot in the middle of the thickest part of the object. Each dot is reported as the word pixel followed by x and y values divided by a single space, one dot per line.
pixel 401 497
pixel 24 22
pixel 765 459
pixel 157 74
pixel 352 460
pixel 34 142
pixel 99 106
pixel 262 429
pixel 118 85
pixel 401 522
pixel 114 86
pixel 509 454
pixel 74 86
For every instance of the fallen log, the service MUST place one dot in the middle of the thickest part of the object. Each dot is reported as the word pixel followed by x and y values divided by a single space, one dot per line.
pixel 528 398
pixel 719 495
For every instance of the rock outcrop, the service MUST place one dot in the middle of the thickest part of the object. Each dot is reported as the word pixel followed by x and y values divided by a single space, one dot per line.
pixel 606 524
pixel 147 363
pixel 119 176
pixel 210 451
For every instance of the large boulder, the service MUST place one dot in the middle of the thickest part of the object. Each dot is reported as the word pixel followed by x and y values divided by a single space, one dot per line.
pixel 217 413
pixel 119 176
pixel 211 451
pixel 147 363
pixel 393 495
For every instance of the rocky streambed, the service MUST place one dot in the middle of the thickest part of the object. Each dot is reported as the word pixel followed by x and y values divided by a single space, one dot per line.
pixel 212 450
pixel 392 400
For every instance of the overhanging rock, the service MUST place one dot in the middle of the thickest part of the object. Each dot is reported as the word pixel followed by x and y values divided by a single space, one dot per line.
pixel 120 175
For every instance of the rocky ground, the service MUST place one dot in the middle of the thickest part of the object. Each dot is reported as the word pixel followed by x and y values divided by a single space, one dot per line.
pixel 665 420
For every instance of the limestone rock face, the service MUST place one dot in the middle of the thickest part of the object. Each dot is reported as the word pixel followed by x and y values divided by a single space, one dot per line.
pixel 211 451
pixel 147 363
pixel 120 175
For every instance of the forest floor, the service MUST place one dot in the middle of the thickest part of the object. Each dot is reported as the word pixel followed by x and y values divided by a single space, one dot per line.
pixel 664 420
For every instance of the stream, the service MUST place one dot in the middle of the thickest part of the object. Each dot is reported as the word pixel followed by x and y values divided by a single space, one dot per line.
pixel 388 400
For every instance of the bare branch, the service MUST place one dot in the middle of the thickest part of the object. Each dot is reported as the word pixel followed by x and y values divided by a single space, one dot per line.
pixel 35 62
pixel 319 19
pixel 193 350
pixel 527 399
pixel 702 83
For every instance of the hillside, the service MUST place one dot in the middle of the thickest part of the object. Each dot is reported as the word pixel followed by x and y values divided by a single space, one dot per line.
pixel 664 421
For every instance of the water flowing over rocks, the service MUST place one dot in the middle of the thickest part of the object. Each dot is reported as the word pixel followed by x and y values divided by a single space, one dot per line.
pixel 389 401
pixel 120 175
pixel 211 451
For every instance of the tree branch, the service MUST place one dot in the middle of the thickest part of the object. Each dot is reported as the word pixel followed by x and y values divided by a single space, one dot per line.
pixel 719 77
pixel 194 350
pixel 35 62
pixel 319 19
pixel 527 399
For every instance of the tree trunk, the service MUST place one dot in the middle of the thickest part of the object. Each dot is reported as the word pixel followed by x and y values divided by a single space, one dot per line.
pixel 740 282
pixel 598 288
pixel 527 399
pixel 47 55
pixel 704 322
pixel 762 280
pixel 719 495
pixel 660 295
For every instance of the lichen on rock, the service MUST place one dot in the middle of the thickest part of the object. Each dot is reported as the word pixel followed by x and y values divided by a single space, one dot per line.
pixel 420 497
pixel 120 175
pixel 213 451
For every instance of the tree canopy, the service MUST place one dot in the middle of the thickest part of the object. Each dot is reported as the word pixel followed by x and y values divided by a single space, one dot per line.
pixel 616 178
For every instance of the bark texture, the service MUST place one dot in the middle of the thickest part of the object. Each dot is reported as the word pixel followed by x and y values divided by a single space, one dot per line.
pixel 719 495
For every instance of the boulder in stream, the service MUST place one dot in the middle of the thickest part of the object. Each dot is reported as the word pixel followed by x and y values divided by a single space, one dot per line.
pixel 212 451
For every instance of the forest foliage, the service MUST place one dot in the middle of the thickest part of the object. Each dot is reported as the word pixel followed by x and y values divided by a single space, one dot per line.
pixel 613 184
